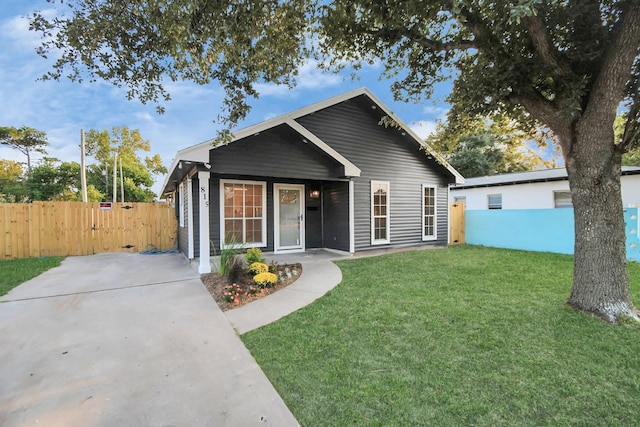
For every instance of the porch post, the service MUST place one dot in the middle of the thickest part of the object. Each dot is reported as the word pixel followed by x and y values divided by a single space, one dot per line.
pixel 190 251
pixel 205 265
pixel 352 222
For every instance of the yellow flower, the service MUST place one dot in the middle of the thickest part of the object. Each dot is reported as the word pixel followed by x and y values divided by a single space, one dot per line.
pixel 265 279
pixel 258 267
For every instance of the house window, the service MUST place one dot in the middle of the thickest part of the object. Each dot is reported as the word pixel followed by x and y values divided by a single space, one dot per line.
pixel 243 212
pixel 460 199
pixel 494 201
pixel 181 204
pixel 562 199
pixel 428 212
pixel 379 212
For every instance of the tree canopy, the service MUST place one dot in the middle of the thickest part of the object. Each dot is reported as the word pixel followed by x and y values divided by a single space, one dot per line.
pixel 24 139
pixel 124 144
pixel 565 65
pixel 52 179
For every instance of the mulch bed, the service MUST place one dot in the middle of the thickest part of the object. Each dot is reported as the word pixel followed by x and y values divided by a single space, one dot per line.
pixel 215 284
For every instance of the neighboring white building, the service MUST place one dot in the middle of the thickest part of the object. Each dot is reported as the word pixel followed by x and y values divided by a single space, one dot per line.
pixel 544 189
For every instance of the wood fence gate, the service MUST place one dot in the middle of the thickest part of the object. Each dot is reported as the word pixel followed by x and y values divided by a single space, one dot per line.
pixel 76 228
pixel 456 223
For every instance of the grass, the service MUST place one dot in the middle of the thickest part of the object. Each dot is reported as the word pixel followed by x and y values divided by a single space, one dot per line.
pixel 453 337
pixel 16 271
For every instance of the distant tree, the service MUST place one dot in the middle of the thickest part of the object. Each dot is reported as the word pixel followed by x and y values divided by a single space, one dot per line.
pixel 501 144
pixel 54 180
pixel 632 156
pixel 26 140
pixel 138 173
pixel 12 188
pixel 479 155
pixel 10 173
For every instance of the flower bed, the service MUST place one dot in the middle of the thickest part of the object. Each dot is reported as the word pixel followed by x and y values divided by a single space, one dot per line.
pixel 243 290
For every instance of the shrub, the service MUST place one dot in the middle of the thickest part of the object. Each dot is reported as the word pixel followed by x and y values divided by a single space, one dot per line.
pixel 265 280
pixel 273 267
pixel 254 255
pixel 229 257
pixel 258 267
pixel 232 293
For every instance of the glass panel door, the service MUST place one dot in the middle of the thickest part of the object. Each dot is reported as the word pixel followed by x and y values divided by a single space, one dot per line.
pixel 289 217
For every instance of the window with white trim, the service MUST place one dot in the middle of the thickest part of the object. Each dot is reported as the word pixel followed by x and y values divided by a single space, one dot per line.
pixel 494 201
pixel 429 222
pixel 379 212
pixel 562 199
pixel 243 207
pixel 181 205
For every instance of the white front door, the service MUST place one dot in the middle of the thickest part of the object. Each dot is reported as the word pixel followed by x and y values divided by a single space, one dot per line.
pixel 289 217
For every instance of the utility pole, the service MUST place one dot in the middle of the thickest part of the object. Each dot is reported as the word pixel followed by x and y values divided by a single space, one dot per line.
pixel 115 177
pixel 121 182
pixel 83 172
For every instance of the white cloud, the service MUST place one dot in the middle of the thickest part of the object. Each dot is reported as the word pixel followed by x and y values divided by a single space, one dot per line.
pixel 436 110
pixel 310 77
pixel 423 128
pixel 16 29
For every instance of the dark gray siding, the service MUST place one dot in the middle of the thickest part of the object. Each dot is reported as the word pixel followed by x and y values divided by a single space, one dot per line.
pixel 382 154
pixel 335 200
pixel 314 210
pixel 195 197
pixel 443 215
pixel 313 217
pixel 278 152
pixel 183 232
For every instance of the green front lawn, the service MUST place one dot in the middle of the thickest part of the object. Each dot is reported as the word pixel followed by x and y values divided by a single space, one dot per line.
pixel 453 337
pixel 16 271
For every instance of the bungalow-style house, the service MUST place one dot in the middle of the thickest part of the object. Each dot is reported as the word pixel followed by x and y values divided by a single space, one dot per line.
pixel 541 189
pixel 330 175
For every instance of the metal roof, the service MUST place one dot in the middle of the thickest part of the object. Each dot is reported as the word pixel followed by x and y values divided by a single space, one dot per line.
pixel 558 174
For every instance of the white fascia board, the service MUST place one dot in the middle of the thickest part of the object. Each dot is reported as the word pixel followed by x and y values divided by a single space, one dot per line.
pixel 349 168
pixel 459 178
pixel 198 153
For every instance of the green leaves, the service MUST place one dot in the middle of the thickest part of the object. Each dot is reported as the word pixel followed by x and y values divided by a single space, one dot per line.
pixel 126 144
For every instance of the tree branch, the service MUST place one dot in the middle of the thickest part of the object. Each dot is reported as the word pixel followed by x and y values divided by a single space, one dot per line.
pixel 433 45
pixel 613 75
pixel 545 112
pixel 542 44
pixel 437 46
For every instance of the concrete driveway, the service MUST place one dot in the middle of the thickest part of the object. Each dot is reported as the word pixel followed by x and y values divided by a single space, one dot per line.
pixel 129 340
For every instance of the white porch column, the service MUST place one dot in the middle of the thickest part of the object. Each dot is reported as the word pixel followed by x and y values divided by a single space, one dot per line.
pixel 190 250
pixel 205 264
pixel 352 216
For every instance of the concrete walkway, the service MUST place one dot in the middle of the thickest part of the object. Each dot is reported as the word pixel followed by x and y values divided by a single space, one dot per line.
pixel 126 339
pixel 319 276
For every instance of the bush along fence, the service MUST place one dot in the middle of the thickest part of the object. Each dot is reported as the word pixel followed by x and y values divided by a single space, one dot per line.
pixel 541 230
pixel 76 228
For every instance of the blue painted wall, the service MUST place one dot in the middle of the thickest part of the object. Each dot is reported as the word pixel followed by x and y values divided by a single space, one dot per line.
pixel 541 230
pixel 632 223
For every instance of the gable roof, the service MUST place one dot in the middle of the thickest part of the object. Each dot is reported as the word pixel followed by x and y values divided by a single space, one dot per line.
pixel 199 153
pixel 545 175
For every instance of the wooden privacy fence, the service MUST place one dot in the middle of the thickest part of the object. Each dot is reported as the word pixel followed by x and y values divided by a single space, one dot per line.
pixel 76 228
pixel 456 223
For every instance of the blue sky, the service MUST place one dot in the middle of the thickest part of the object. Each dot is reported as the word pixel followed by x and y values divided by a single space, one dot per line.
pixel 61 109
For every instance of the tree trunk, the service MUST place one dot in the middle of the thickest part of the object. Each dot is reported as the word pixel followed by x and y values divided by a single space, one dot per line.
pixel 600 280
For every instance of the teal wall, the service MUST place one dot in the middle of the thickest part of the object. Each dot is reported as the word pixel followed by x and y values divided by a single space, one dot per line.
pixel 541 230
